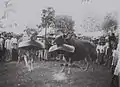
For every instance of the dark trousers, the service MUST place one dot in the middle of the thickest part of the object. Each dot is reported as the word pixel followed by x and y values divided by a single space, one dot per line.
pixel 14 54
pixel 108 60
pixel 112 69
pixel 2 54
pixel 115 81
pixel 101 58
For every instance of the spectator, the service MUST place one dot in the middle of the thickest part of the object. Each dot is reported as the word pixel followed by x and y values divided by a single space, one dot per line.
pixel 115 59
pixel 108 56
pixel 1 42
pixel 14 42
pixel 1 47
pixel 14 48
pixel 112 40
pixel 116 77
pixel 100 53
pixel 8 46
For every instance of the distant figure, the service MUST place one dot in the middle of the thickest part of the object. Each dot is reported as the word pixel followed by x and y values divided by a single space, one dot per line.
pixel 112 40
pixel 108 55
pixel 100 53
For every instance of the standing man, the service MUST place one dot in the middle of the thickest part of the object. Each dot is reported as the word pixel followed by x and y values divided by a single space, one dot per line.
pixel 116 77
pixel 14 42
pixel 100 53
pixel 14 48
pixel 1 47
pixel 112 40
pixel 8 46
pixel 108 55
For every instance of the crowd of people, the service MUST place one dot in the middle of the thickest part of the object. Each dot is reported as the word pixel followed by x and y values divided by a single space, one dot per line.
pixel 106 50
pixel 8 47
pixel 108 55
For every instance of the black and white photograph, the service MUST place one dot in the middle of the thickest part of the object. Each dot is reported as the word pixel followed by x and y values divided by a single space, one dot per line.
pixel 59 43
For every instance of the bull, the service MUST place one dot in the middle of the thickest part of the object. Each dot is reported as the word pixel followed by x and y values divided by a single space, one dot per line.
pixel 74 50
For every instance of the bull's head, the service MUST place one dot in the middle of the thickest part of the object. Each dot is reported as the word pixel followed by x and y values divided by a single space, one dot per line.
pixel 63 39
pixel 67 38
pixel 62 43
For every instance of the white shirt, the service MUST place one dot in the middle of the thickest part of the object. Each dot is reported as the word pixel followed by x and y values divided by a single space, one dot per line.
pixel 8 44
pixel 101 48
pixel 117 68
pixel 115 57
pixel 14 40
pixel 1 42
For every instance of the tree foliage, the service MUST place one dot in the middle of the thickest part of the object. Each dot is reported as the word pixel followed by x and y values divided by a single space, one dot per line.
pixel 91 25
pixel 110 22
pixel 47 17
pixel 64 23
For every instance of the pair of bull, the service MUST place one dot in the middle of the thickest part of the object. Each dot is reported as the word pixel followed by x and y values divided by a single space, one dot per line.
pixel 74 50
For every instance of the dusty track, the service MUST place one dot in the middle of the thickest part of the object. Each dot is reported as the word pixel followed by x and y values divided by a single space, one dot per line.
pixel 16 75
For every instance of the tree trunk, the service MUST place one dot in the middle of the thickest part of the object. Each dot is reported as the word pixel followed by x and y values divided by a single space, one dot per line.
pixel 45 52
pixel 45 35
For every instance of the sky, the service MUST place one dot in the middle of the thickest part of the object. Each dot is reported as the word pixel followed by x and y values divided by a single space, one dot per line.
pixel 28 12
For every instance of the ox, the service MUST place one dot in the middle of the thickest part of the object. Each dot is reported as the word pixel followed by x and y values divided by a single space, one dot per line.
pixel 74 50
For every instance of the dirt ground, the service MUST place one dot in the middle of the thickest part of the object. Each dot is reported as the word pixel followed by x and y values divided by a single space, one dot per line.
pixel 43 75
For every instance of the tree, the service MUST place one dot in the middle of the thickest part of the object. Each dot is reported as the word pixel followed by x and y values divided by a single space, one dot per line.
pixel 64 23
pixel 48 19
pixel 91 25
pixel 110 23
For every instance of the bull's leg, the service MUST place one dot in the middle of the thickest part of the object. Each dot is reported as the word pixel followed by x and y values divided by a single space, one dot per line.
pixel 64 65
pixel 80 67
pixel 26 62
pixel 63 68
pixel 31 64
pixel 87 66
pixel 92 62
pixel 29 67
pixel 19 59
pixel 69 65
